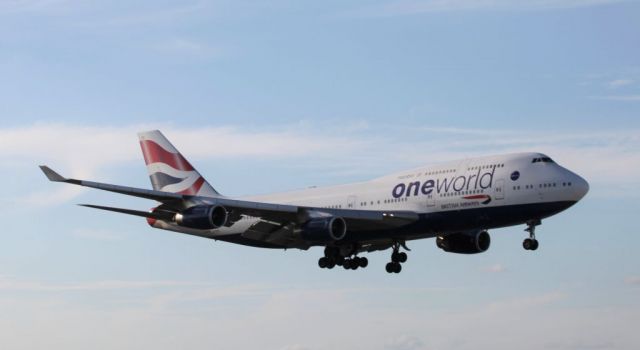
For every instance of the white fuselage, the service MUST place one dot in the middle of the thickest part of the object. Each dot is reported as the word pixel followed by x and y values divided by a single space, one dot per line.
pixel 452 181
pixel 452 188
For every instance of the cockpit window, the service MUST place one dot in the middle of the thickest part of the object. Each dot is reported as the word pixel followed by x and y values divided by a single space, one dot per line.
pixel 542 160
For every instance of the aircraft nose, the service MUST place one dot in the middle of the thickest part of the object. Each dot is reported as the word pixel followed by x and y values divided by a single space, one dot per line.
pixel 580 187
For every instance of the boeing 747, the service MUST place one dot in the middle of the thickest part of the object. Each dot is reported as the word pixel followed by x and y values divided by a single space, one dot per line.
pixel 455 202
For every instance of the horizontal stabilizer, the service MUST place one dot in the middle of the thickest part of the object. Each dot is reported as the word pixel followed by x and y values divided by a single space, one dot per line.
pixel 158 214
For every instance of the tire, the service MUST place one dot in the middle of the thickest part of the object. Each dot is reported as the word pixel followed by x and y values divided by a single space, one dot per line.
pixel 346 264
pixel 527 243
pixel 390 267
pixel 534 244
pixel 364 262
pixel 323 262
pixel 402 257
pixel 395 257
pixel 397 268
pixel 331 264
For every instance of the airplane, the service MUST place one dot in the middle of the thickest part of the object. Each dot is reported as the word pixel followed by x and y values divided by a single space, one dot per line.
pixel 454 202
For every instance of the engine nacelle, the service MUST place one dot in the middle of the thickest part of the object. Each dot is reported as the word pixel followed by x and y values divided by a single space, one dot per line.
pixel 465 242
pixel 203 217
pixel 324 229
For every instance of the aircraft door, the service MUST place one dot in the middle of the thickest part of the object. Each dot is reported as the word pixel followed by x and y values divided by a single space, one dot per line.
pixel 499 189
pixel 431 201
pixel 351 202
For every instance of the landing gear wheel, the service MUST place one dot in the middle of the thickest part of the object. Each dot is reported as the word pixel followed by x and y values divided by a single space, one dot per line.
pixel 397 257
pixel 398 268
pixel 323 262
pixel 393 267
pixel 331 264
pixel 390 267
pixel 340 261
pixel 363 262
pixel 350 264
pixel 530 244
pixel 346 264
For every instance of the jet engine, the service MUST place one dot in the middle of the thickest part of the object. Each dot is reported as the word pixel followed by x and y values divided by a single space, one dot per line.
pixel 203 217
pixel 471 242
pixel 324 229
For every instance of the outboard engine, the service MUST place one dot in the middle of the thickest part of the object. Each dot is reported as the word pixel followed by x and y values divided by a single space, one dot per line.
pixel 471 242
pixel 203 217
pixel 324 229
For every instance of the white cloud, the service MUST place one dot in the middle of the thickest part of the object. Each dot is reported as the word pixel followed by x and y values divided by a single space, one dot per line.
pixel 619 83
pixel 50 198
pixel 496 268
pixel 18 6
pixel 80 151
pixel 9 283
pixel 410 7
pixel 303 317
pixel 404 342
pixel 625 98
pixel 632 280
pixel 526 302
pixel 97 234
pixel 83 152
pixel 189 47
pixel 155 15
pixel 295 347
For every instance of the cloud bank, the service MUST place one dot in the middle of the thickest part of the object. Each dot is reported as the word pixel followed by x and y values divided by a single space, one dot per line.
pixel 412 7
pixel 609 159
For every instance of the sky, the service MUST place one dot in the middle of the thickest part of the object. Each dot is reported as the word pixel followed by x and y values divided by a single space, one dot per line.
pixel 271 96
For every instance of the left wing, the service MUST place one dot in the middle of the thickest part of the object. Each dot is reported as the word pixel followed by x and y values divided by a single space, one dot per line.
pixel 282 214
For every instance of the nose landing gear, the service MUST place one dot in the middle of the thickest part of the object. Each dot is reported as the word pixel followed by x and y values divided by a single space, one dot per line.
pixel 531 243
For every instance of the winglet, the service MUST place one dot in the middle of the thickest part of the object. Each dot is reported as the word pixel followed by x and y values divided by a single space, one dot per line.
pixel 52 175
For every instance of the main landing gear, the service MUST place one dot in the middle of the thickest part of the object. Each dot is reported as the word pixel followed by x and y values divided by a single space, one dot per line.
pixel 397 257
pixel 332 258
pixel 531 243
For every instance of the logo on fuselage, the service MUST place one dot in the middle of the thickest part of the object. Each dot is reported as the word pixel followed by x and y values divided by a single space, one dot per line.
pixel 468 182
pixel 485 198
pixel 515 175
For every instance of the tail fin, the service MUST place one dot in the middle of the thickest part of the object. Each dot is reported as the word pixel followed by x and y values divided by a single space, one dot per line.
pixel 169 170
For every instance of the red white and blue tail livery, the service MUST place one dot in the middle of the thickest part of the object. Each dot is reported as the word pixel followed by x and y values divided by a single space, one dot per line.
pixel 168 169
pixel 454 202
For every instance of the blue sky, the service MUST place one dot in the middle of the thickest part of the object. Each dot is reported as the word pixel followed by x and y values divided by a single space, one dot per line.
pixel 264 97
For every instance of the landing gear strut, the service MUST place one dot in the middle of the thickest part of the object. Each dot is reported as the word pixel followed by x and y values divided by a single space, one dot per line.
pixel 397 257
pixel 531 243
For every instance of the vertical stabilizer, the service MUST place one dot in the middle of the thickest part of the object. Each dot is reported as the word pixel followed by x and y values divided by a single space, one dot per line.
pixel 169 170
